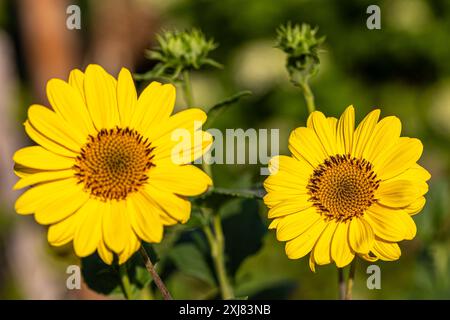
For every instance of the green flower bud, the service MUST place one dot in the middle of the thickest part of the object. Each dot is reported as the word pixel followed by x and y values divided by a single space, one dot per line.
pixel 179 51
pixel 301 46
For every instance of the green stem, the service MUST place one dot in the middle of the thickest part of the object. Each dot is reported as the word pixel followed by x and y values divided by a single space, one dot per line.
pixel 350 280
pixel 187 89
pixel 217 245
pixel 309 96
pixel 214 233
pixel 341 284
pixel 125 281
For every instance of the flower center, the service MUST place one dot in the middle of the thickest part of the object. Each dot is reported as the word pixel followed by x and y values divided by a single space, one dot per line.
pixel 343 187
pixel 114 163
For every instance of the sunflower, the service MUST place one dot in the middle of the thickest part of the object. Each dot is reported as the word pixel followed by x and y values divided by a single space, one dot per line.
pixel 103 173
pixel 346 192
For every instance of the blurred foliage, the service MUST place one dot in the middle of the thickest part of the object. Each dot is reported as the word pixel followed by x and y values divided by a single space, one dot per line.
pixel 404 69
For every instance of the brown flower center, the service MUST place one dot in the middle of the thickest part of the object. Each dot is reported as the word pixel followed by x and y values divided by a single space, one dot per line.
pixel 343 187
pixel 114 163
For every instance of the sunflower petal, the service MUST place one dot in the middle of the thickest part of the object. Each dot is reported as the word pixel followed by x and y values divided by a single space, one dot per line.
pixel 186 180
pixel 101 97
pixel 295 224
pixel 61 204
pixel 322 249
pixel 126 97
pixel 89 231
pixel 304 144
pixel 37 157
pixel 341 253
pixel 386 251
pixel 70 105
pixel 364 133
pixel 144 217
pixel 53 127
pixel 401 157
pixel 360 236
pixel 345 130
pixel 390 224
pixel 301 245
pixel 48 143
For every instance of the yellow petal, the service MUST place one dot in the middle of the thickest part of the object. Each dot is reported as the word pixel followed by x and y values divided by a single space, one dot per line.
pixel 322 249
pixel 312 263
pixel 126 97
pixel 144 217
pixel 400 193
pixel 292 205
pixel 390 224
pixel 360 235
pixel 131 247
pixel 105 254
pixel 285 184
pixel 61 204
pixel 116 225
pixel 39 158
pixel 369 257
pixel 76 80
pixel 300 170
pixel 190 120
pixel 274 224
pixel 304 143
pixel 341 253
pixel 35 197
pixel 416 206
pixel 89 231
pixel 300 246
pixel 401 157
pixel 385 136
pixel 101 97
pixel 295 224
pixel 345 130
pixel 154 106
pixel 386 251
pixel 364 133
pixel 43 176
pixel 52 126
pixel 176 207
pixel 63 232
pixel 69 105
pixel 182 149
pixel 324 133
pixel 186 180
pixel 47 143
pixel 275 196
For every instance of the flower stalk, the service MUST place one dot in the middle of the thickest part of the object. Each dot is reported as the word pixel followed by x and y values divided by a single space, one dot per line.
pixel 125 281
pixel 151 269
pixel 213 231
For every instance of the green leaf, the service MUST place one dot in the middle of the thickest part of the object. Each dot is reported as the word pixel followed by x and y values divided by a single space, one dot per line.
pixel 218 108
pixel 105 279
pixel 190 260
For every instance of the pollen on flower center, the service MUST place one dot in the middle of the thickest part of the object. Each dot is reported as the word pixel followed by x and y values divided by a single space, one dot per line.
pixel 114 163
pixel 343 187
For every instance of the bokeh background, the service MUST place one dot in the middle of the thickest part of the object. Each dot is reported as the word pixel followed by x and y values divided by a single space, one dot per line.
pixel 404 69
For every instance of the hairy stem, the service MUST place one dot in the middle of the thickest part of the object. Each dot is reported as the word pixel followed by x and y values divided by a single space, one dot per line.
pixel 341 284
pixel 217 245
pixel 187 89
pixel 151 269
pixel 350 280
pixel 309 96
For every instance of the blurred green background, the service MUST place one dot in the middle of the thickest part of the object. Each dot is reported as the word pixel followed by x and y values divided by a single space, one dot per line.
pixel 404 69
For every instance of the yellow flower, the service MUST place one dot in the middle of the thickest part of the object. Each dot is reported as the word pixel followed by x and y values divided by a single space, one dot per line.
pixel 346 192
pixel 103 174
